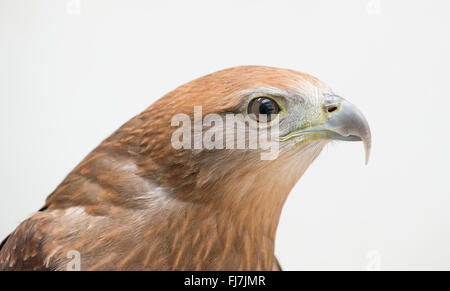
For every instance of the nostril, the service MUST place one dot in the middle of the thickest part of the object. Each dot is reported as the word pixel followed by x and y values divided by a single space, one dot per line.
pixel 332 108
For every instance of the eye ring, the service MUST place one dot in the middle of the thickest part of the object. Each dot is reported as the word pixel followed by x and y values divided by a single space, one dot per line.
pixel 262 109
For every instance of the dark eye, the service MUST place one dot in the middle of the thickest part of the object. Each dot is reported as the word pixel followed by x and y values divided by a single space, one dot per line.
pixel 262 106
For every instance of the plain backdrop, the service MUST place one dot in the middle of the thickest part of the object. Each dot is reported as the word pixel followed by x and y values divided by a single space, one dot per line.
pixel 71 72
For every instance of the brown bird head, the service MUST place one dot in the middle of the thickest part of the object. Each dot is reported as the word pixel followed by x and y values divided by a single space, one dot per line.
pixel 248 126
pixel 207 168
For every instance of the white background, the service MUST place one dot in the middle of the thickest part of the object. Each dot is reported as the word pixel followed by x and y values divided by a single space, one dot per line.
pixel 69 77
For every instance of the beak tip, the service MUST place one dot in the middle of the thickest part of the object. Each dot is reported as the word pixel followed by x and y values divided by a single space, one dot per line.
pixel 367 147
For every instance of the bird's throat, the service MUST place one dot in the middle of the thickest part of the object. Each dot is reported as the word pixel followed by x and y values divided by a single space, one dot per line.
pixel 236 230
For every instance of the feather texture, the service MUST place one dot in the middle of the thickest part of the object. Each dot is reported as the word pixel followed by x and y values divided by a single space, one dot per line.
pixel 136 203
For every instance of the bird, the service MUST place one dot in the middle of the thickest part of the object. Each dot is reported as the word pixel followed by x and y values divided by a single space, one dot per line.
pixel 136 202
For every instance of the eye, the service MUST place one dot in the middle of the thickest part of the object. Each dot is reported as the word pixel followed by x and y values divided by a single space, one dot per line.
pixel 262 106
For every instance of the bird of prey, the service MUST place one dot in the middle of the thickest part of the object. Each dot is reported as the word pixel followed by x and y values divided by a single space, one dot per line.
pixel 136 202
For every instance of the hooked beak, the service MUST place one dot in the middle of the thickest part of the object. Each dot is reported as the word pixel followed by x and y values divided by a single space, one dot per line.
pixel 343 122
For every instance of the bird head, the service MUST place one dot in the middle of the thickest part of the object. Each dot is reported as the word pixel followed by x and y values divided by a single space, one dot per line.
pixel 177 173
pixel 298 112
